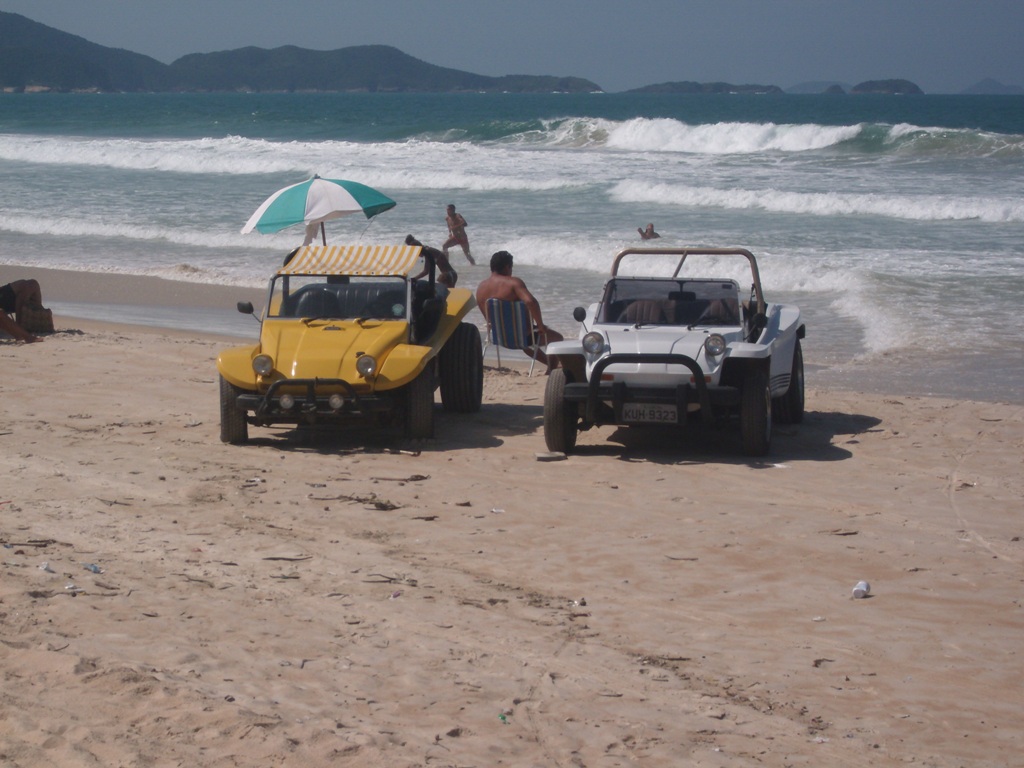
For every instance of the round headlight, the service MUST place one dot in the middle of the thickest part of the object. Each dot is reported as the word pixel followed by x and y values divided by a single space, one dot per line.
pixel 366 365
pixel 593 343
pixel 287 402
pixel 714 345
pixel 336 401
pixel 262 364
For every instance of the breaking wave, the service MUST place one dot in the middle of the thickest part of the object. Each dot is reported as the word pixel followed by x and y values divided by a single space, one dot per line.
pixel 934 207
pixel 376 160
pixel 643 134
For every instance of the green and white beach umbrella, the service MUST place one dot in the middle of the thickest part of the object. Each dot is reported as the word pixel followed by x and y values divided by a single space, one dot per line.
pixel 315 201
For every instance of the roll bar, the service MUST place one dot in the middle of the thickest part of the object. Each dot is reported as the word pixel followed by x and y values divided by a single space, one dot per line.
pixel 682 253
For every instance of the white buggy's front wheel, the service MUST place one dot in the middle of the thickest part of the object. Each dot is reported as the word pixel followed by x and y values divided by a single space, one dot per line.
pixel 756 413
pixel 560 417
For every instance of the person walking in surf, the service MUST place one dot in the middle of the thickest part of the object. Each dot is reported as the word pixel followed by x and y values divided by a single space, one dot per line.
pixel 457 233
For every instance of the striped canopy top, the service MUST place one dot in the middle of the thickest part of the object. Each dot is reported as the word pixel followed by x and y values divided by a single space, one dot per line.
pixel 368 260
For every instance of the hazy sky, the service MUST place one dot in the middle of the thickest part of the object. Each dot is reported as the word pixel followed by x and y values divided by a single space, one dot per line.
pixel 944 46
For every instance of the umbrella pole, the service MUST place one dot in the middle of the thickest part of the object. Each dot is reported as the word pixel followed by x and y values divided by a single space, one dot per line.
pixel 323 232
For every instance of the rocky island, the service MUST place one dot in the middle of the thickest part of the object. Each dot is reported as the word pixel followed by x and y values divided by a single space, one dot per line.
pixel 688 87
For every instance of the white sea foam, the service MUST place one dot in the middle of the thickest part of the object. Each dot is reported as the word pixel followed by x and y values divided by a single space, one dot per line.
pixel 745 138
pixel 200 156
pixel 925 207
pixel 670 135
pixel 430 162
pixel 398 166
pixel 76 227
pixel 954 142
pixel 666 135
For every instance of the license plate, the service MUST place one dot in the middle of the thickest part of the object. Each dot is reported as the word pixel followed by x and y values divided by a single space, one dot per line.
pixel 656 413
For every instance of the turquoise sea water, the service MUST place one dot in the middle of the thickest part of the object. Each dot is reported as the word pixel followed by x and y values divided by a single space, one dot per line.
pixel 895 223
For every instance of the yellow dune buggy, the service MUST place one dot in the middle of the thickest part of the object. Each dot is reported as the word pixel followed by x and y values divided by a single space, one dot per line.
pixel 354 333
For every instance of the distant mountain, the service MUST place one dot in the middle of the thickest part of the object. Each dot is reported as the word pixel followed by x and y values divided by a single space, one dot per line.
pixel 992 87
pixel 688 87
pixel 887 87
pixel 358 68
pixel 34 56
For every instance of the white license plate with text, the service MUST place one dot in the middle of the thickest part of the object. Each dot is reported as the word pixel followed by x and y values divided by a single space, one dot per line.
pixel 650 413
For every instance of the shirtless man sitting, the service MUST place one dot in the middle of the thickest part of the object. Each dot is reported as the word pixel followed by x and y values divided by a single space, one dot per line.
pixel 501 285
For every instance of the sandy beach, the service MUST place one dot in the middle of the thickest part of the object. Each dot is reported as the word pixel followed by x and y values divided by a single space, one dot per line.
pixel 354 598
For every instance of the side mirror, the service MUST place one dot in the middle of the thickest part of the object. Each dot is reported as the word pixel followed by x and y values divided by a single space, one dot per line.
pixel 245 307
pixel 579 314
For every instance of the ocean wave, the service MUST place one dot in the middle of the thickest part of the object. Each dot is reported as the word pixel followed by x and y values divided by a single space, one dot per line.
pixel 424 156
pixel 913 140
pixel 670 135
pixel 643 134
pixel 75 227
pixel 412 165
pixel 915 208
pixel 227 155
pixel 665 135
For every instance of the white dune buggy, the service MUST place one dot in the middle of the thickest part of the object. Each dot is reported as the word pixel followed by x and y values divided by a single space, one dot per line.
pixel 673 349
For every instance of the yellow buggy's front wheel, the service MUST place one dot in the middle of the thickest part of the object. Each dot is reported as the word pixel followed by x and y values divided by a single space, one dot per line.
pixel 419 405
pixel 233 427
pixel 461 370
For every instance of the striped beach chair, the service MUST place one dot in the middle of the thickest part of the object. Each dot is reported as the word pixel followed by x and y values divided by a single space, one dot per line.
pixel 509 326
